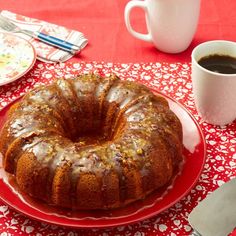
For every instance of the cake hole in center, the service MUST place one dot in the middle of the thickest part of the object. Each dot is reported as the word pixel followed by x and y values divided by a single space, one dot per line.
pixel 100 132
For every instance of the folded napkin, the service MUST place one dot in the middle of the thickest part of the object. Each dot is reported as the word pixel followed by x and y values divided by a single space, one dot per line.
pixel 44 51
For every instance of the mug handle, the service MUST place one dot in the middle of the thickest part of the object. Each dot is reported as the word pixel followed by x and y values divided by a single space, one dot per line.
pixel 130 5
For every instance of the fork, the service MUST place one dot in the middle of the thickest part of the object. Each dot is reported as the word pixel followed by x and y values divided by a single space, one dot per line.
pixel 7 25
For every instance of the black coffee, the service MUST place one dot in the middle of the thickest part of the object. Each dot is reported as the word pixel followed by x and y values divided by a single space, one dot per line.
pixel 219 63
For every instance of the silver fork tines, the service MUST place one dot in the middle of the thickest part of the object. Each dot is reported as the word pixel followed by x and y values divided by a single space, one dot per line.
pixel 5 24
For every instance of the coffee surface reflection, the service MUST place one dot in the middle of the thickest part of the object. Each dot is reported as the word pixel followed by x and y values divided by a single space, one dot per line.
pixel 223 64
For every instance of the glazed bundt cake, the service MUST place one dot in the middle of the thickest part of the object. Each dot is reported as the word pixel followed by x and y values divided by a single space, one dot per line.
pixel 91 142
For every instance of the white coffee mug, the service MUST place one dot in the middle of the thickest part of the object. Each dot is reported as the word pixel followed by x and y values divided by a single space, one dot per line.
pixel 171 24
pixel 214 93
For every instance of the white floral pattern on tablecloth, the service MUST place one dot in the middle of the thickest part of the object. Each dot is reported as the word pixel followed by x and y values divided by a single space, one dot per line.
pixel 173 80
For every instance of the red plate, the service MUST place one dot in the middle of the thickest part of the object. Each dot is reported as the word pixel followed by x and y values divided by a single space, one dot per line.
pixel 194 152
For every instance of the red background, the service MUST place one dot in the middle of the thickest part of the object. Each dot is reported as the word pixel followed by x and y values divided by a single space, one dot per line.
pixel 103 24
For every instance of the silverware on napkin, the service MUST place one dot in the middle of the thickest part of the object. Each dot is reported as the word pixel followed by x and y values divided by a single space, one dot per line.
pixel 216 215
pixel 7 25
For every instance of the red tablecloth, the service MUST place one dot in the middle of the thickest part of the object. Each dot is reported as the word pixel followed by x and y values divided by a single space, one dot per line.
pixel 103 24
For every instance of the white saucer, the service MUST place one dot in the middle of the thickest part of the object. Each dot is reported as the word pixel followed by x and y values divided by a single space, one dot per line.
pixel 17 57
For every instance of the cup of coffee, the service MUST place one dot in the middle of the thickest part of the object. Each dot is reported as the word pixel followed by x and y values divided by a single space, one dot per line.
pixel 214 81
pixel 171 24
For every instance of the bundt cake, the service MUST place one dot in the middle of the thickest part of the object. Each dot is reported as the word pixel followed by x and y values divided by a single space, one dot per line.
pixel 91 142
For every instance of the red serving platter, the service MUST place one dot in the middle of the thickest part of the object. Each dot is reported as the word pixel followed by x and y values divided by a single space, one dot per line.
pixel 194 153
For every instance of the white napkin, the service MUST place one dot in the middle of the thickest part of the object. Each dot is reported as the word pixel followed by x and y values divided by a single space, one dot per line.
pixel 44 51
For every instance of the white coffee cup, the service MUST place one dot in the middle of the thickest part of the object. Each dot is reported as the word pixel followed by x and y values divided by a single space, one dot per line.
pixel 214 93
pixel 171 24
